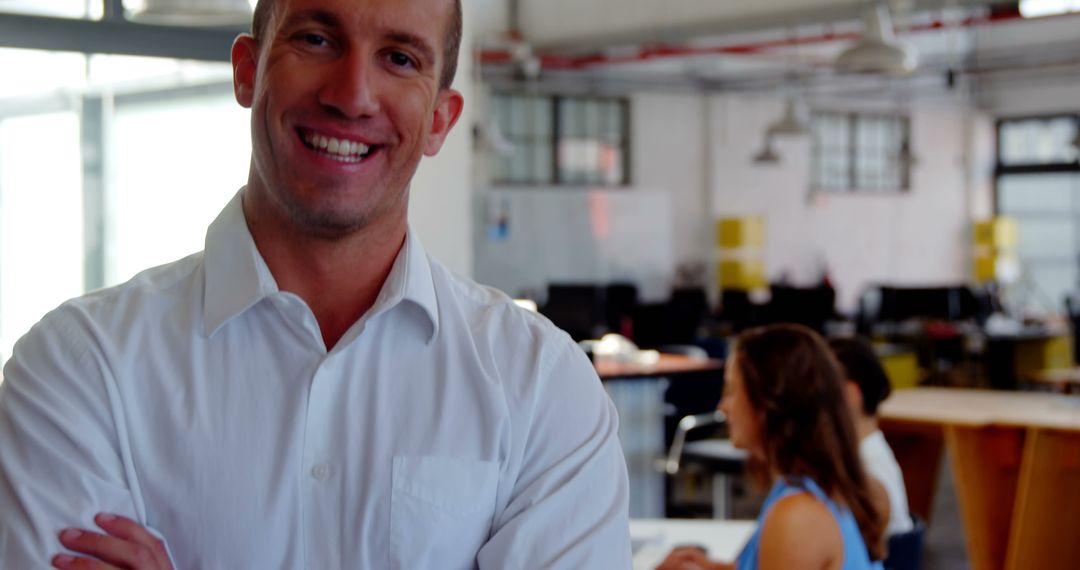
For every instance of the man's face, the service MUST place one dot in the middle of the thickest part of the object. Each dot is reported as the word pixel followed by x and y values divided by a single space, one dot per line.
pixel 345 100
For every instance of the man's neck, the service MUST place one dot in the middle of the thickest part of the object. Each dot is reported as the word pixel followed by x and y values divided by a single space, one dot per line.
pixel 865 426
pixel 339 279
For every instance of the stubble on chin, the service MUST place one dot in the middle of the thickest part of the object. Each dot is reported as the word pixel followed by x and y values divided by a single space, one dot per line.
pixel 325 225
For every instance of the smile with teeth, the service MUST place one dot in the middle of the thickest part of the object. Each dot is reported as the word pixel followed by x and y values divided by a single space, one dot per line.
pixel 341 150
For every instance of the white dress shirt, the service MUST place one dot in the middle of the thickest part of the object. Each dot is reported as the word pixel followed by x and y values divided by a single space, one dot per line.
pixel 880 463
pixel 446 429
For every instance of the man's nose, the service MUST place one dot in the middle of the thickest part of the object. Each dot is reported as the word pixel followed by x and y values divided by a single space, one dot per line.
pixel 351 87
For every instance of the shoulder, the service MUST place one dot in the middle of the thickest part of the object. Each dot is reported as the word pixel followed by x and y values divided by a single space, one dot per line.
pixel 493 316
pixel 879 462
pixel 78 325
pixel 526 354
pixel 874 447
pixel 800 531
pixel 161 282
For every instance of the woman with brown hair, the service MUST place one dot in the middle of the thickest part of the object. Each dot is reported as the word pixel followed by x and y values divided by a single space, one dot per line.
pixel 784 401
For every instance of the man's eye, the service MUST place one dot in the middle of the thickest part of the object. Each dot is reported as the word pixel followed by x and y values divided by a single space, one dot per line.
pixel 399 59
pixel 314 40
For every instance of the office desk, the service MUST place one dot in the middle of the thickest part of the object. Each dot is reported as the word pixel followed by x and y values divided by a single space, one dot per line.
pixel 668 366
pixel 1064 380
pixel 722 539
pixel 1016 460
pixel 638 392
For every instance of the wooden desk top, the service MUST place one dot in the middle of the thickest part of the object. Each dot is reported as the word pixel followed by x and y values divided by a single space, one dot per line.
pixel 668 365
pixel 976 408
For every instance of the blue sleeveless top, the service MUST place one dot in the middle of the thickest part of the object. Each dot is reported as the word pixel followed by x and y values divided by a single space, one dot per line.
pixel 856 556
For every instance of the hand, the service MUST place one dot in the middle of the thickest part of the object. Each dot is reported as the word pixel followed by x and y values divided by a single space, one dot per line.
pixel 126 546
pixel 690 558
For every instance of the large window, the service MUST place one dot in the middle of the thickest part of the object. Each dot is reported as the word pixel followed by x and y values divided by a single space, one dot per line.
pixel 165 194
pixel 560 140
pixel 1038 184
pixel 108 165
pixel 859 152
pixel 41 219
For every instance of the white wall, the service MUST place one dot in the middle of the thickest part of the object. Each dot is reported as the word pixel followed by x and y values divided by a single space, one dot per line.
pixel 440 203
pixel 669 153
pixel 489 18
pixel 916 238
pixel 1015 98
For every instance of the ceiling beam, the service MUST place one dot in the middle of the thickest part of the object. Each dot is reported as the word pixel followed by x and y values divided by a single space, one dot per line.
pixel 116 37
pixel 554 31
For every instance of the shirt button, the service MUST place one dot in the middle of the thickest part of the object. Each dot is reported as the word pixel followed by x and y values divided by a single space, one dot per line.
pixel 321 472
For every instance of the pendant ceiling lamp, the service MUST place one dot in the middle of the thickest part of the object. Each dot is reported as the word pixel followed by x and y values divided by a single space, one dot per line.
pixel 192 12
pixel 878 51
pixel 767 154
pixel 793 122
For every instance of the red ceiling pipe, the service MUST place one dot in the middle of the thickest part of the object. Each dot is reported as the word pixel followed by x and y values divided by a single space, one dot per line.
pixel 659 51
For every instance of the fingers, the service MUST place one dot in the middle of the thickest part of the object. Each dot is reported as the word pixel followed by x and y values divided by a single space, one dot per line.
pixel 684 559
pixel 82 544
pixel 126 546
pixel 152 550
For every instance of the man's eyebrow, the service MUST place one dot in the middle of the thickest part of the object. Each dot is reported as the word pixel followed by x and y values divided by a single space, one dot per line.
pixel 314 15
pixel 414 41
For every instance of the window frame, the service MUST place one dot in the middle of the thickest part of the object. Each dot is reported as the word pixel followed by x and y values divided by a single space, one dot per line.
pixel 1002 170
pixel 856 153
pixel 557 177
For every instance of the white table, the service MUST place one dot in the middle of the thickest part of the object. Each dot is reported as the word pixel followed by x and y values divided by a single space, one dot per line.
pixel 653 539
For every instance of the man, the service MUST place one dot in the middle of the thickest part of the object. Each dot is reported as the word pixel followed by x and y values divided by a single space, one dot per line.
pixel 312 391
pixel 867 387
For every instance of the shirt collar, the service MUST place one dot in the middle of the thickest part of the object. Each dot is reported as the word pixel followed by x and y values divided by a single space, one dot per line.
pixel 410 280
pixel 237 277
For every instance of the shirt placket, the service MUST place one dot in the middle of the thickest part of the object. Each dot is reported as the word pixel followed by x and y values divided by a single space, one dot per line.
pixel 321 470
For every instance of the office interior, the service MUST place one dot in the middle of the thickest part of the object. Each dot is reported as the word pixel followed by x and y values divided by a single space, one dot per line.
pixel 672 173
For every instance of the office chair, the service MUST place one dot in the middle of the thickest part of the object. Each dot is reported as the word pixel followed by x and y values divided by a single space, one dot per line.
pixel 718 456
pixel 906 548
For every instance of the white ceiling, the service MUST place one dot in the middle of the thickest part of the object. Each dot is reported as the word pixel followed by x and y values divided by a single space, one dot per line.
pixel 948 34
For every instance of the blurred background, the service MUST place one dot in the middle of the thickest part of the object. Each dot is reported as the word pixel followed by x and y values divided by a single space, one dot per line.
pixel 673 172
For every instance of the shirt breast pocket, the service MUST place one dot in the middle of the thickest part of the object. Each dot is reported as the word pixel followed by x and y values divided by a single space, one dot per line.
pixel 441 511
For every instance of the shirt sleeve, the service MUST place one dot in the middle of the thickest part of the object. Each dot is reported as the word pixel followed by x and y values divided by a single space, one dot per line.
pixel 61 458
pixel 569 506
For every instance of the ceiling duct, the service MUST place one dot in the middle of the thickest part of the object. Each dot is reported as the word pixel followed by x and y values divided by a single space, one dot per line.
pixel 191 12
pixel 878 51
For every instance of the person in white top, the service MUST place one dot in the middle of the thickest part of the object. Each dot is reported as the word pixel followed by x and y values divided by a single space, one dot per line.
pixel 312 391
pixel 867 387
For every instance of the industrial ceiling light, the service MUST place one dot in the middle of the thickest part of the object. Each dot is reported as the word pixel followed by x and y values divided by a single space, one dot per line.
pixel 877 51
pixel 767 154
pixel 793 122
pixel 191 12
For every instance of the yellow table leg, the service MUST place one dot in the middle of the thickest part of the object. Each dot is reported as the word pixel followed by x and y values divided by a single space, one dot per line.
pixel 986 466
pixel 1046 522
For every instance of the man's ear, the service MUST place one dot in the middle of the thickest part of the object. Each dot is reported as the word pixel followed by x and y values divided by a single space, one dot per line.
pixel 245 62
pixel 447 112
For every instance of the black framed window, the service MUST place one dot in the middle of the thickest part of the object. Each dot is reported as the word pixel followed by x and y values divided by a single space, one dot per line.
pixel 861 152
pixel 561 140
pixel 1037 182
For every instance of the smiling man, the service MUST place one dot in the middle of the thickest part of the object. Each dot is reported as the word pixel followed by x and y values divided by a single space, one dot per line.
pixel 312 391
